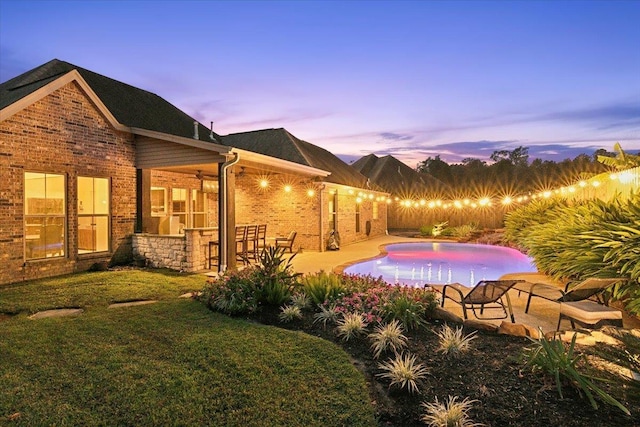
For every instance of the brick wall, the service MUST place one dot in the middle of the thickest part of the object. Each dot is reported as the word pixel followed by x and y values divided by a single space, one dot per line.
pixel 63 133
pixel 282 211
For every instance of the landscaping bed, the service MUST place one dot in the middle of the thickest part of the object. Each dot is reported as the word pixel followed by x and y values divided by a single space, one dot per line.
pixel 507 393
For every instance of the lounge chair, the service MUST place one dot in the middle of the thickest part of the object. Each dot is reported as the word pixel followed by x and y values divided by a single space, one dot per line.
pixel 582 291
pixel 487 294
pixel 588 314
pixel 286 242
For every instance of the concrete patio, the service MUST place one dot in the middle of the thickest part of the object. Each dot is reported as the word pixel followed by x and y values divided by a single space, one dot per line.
pixel 542 314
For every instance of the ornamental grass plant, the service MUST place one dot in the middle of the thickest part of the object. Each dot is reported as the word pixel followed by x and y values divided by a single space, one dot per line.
pixel 450 413
pixel 404 371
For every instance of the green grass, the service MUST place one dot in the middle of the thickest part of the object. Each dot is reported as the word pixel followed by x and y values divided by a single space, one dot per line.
pixel 170 363
pixel 96 289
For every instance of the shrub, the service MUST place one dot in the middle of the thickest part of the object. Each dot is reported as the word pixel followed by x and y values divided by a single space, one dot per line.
pixel 552 357
pixel 425 230
pixel 453 341
pixel 322 287
pixel 289 313
pixel 351 325
pixel 232 293
pixel 464 231
pixel 275 273
pixel 367 303
pixel 361 282
pixel 404 371
pixel 408 305
pixel 300 300
pixel 387 336
pixel 449 414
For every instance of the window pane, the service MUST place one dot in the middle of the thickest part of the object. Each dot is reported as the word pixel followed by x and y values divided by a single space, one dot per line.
pixel 35 195
pixel 85 195
pixel 101 233
pixel 55 194
pixel 179 200
pixel 158 201
pixel 34 238
pixel 101 194
pixel 54 237
pixel 86 235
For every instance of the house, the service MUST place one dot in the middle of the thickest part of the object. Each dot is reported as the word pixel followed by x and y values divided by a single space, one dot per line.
pixel 404 183
pixel 95 171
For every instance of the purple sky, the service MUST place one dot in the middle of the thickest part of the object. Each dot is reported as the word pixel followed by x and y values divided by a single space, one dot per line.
pixel 411 79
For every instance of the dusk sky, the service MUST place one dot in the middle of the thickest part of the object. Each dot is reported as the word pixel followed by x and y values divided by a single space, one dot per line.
pixel 411 79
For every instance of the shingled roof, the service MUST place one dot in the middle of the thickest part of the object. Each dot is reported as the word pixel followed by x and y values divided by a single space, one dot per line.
pixel 397 178
pixel 281 144
pixel 131 106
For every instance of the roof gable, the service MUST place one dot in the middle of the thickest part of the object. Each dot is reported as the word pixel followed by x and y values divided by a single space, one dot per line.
pixel 130 106
pixel 281 144
pixel 396 177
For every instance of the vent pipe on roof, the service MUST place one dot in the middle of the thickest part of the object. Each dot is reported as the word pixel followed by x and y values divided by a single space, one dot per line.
pixel 213 138
pixel 195 130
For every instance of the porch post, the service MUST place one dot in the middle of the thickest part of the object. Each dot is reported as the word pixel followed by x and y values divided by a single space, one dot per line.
pixel 143 200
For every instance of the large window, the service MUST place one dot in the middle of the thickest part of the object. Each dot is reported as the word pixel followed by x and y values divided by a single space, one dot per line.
pixel 357 217
pixel 44 215
pixel 179 205
pixel 94 203
pixel 375 210
pixel 199 215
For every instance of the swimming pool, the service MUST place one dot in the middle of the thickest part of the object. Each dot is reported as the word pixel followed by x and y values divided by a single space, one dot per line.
pixel 440 263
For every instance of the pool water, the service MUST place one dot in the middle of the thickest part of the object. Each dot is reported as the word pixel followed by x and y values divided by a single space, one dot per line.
pixel 441 263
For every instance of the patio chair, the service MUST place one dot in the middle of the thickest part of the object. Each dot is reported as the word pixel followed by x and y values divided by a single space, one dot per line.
pixel 241 243
pixel 486 294
pixel 582 291
pixel 286 242
pixel 250 243
pixel 261 238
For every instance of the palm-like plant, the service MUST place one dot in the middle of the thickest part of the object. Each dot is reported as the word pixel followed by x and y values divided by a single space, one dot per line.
pixel 552 357
pixel 454 342
pixel 448 414
pixel 404 371
pixel 351 325
pixel 387 336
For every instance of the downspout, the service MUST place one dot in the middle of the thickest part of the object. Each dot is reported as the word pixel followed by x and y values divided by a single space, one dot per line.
pixel 222 212
pixel 322 245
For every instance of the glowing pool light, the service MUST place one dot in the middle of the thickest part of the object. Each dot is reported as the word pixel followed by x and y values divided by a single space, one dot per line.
pixel 417 264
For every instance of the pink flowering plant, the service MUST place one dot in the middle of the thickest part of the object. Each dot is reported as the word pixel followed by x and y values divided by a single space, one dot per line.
pixel 378 301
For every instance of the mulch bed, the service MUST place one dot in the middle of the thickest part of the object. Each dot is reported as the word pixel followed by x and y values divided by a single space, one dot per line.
pixel 507 393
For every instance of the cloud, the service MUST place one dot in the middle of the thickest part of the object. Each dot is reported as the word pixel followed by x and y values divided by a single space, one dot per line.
pixel 622 114
pixel 391 136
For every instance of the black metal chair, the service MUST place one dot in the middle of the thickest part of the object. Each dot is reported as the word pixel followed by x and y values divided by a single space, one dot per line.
pixel 486 294
pixel 582 291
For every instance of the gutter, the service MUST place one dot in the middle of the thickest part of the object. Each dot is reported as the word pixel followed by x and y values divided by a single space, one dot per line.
pixel 222 212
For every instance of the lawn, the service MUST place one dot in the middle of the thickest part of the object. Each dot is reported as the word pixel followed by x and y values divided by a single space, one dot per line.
pixel 170 363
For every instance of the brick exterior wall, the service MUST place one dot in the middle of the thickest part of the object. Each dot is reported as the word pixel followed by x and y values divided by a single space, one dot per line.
pixel 63 133
pixel 296 210
pixel 282 211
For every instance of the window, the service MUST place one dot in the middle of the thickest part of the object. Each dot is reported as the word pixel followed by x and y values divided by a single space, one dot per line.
pixel 44 215
pixel 375 210
pixel 333 206
pixel 158 201
pixel 94 206
pixel 179 205
pixel 357 217
pixel 199 215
